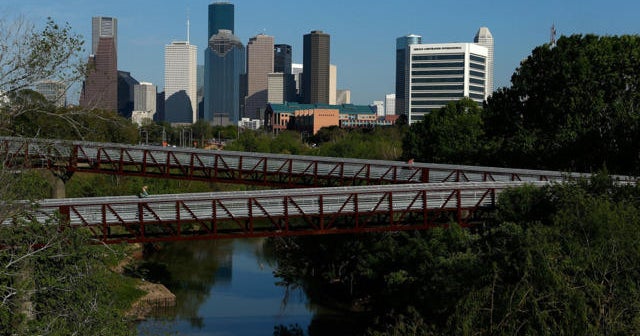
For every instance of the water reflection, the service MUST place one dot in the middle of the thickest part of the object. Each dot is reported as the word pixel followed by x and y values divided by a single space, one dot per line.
pixel 222 287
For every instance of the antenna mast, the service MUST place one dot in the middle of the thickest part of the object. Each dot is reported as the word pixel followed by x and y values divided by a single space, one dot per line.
pixel 188 25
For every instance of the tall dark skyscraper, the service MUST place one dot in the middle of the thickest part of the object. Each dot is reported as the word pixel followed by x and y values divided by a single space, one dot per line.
pixel 100 88
pixel 402 70
pixel 225 64
pixel 282 58
pixel 316 62
pixel 221 16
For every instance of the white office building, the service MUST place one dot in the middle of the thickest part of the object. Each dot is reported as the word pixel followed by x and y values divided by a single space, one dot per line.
pixel 484 38
pixel 180 82
pixel 390 104
pixel 378 106
pixel 445 72
pixel 144 103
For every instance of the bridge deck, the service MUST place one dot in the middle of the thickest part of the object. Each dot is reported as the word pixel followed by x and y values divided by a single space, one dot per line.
pixel 276 212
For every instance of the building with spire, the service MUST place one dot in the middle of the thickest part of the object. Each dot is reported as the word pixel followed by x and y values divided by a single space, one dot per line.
pixel 484 38
pixel 100 88
pixel 180 82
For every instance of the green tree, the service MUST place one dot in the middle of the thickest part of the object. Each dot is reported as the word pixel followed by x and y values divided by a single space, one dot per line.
pixel 572 106
pixel 452 134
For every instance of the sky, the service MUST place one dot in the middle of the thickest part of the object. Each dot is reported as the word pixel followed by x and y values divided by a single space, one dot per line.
pixel 363 33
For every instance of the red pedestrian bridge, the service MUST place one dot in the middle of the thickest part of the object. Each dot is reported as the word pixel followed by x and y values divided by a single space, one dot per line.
pixel 324 195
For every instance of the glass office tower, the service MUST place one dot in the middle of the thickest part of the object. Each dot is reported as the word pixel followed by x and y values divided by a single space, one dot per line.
pixel 221 16
pixel 225 60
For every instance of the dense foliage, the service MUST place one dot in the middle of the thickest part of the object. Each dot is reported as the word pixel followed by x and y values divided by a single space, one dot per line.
pixel 573 106
pixel 559 260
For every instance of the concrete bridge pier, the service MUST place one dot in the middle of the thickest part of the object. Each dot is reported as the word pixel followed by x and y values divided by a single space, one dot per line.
pixel 56 182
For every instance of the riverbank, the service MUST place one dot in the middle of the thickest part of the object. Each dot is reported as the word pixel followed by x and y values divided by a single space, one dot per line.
pixel 156 295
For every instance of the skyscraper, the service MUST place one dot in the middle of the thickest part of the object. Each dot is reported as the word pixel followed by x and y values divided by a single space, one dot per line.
pixel 316 61
pixel 444 72
pixel 333 83
pixel 100 88
pixel 180 82
pixel 221 16
pixel 390 104
pixel 224 66
pixel 144 102
pixel 259 66
pixel 282 58
pixel 402 63
pixel 126 84
pixel 144 97
pixel 53 91
pixel 484 38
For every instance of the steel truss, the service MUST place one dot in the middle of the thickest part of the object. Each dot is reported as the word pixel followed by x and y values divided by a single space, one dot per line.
pixel 285 171
pixel 276 212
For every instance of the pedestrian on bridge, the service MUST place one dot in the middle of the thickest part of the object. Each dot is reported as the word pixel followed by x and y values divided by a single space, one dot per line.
pixel 144 193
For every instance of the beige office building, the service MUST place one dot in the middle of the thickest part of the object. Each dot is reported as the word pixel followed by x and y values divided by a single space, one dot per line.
pixel 259 66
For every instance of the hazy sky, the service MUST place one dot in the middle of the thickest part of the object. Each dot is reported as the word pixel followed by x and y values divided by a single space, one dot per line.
pixel 363 33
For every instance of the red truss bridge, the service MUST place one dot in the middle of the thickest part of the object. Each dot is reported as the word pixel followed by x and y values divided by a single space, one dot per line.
pixel 265 213
pixel 283 171
pixel 330 195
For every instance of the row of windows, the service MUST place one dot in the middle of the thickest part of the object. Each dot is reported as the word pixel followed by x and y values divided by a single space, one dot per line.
pixel 476 88
pixel 438 80
pixel 476 66
pixel 476 96
pixel 437 57
pixel 437 94
pixel 476 73
pixel 430 102
pixel 437 87
pixel 439 65
pixel 476 81
pixel 437 72
pixel 477 58
pixel 421 110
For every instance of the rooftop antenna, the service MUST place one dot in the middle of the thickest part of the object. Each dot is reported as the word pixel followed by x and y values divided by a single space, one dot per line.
pixel 188 25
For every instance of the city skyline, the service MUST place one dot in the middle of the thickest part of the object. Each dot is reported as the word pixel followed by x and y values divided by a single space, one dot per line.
pixel 357 28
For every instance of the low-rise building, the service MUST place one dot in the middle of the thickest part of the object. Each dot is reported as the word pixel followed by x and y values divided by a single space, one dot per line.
pixel 312 117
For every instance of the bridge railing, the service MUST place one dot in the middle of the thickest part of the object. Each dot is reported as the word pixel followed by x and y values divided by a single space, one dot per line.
pixel 248 168
pixel 276 212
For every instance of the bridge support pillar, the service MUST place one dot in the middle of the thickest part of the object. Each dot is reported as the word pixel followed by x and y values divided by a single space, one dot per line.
pixel 57 184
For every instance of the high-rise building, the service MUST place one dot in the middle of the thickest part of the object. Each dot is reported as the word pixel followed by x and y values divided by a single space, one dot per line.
pixel 333 83
pixel 259 66
pixel 180 82
pixel 126 84
pixel 281 88
pixel 100 88
pixel 221 16
pixel 144 97
pixel 378 107
pixel 144 103
pixel 53 91
pixel 296 71
pixel 390 104
pixel 484 38
pixel 444 72
pixel 282 58
pixel 402 63
pixel 316 61
pixel 224 66
pixel 343 97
